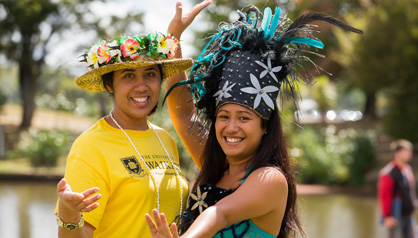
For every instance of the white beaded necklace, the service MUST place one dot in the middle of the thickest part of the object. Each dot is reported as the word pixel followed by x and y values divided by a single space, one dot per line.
pixel 149 170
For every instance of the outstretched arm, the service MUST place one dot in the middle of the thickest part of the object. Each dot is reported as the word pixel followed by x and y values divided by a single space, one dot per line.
pixel 180 100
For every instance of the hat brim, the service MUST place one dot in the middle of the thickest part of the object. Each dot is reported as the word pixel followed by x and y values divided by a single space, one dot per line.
pixel 92 80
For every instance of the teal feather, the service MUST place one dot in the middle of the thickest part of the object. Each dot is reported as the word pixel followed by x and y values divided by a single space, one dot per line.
pixel 305 41
pixel 266 21
pixel 274 22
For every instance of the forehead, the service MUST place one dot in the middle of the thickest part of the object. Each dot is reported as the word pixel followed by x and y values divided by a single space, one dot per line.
pixel 139 69
pixel 235 108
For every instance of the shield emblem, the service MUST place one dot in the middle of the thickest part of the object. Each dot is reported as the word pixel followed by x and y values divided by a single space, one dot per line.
pixel 132 165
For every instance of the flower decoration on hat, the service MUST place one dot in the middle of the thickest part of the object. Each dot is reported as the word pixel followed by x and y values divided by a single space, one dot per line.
pixel 130 48
pixel 261 92
pixel 223 93
pixel 125 49
pixel 269 69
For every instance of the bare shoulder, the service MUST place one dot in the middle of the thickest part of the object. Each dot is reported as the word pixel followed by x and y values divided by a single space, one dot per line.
pixel 269 176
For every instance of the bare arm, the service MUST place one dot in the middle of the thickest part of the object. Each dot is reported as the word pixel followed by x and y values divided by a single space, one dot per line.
pixel 262 198
pixel 70 206
pixel 180 100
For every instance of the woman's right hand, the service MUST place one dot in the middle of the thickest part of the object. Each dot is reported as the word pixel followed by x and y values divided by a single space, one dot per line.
pixel 73 202
pixel 159 226
pixel 180 22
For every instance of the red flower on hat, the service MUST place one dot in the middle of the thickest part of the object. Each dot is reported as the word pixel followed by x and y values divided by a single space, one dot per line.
pixel 129 49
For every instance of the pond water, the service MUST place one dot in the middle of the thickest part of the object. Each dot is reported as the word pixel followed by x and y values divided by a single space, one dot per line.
pixel 26 211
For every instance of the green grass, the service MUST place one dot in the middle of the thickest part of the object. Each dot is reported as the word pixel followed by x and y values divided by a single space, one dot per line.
pixel 22 166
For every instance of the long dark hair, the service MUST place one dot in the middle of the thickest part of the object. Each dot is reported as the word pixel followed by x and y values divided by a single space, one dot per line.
pixel 272 151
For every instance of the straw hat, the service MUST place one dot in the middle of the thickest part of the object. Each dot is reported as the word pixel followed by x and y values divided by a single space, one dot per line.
pixel 128 52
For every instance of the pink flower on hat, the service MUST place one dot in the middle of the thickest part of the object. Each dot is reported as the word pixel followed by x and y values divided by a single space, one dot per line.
pixel 129 49
pixel 103 54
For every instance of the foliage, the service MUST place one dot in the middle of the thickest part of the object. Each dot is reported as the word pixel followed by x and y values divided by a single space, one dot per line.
pixel 59 92
pixel 44 147
pixel 362 158
pixel 29 34
pixel 384 59
pixel 328 156
pixel 3 98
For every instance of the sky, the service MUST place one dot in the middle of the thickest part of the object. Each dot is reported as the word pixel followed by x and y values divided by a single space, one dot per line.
pixel 157 15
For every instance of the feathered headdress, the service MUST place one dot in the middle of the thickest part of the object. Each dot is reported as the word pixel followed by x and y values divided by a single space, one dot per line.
pixel 249 62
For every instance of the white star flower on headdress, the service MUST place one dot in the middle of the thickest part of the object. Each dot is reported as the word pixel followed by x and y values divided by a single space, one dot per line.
pixel 223 93
pixel 200 200
pixel 268 69
pixel 261 92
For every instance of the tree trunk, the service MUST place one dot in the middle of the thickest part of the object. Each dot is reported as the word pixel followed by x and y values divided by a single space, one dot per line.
pixel 370 107
pixel 27 78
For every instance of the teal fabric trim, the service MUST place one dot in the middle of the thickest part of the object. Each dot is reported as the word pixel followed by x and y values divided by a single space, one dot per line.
pixel 259 232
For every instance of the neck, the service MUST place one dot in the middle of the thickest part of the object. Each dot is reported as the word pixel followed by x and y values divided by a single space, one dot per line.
pixel 399 163
pixel 138 125
pixel 239 166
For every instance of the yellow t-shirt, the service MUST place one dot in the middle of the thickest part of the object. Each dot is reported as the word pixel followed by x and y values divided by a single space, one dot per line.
pixel 103 157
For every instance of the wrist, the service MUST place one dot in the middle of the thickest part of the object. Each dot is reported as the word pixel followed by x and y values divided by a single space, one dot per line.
pixel 69 224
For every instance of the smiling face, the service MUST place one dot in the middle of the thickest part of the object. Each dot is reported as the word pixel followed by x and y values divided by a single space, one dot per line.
pixel 136 92
pixel 238 131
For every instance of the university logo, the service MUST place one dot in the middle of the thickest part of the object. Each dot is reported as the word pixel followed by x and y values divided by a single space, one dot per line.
pixel 133 166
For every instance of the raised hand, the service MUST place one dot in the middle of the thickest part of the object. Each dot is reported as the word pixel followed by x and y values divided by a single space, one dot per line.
pixel 180 22
pixel 160 228
pixel 70 201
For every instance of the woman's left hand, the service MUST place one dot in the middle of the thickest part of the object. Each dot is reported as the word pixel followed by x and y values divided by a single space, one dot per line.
pixel 180 22
pixel 160 228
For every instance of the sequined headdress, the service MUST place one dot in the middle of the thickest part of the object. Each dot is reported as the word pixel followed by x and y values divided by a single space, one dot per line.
pixel 249 62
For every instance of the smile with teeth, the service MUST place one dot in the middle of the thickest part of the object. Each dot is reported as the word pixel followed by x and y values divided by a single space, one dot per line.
pixel 233 140
pixel 143 99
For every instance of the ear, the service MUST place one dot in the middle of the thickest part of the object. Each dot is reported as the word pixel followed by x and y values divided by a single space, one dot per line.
pixel 109 88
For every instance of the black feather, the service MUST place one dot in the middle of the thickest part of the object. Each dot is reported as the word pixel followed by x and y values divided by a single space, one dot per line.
pixel 302 22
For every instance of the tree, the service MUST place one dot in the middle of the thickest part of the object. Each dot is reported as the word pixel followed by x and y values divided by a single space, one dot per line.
pixel 384 59
pixel 31 28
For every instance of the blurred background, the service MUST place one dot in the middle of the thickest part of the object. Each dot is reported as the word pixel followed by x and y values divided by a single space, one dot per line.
pixel 338 139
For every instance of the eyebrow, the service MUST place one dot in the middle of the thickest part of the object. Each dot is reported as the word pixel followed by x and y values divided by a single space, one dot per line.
pixel 247 112
pixel 133 70
pixel 127 70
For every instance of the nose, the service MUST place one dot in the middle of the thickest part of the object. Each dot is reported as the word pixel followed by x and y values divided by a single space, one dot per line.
pixel 232 125
pixel 140 85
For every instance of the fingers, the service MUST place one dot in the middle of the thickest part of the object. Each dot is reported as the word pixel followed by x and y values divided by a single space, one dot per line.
pixel 195 11
pixel 89 204
pixel 156 216
pixel 151 225
pixel 179 10
pixel 199 7
pixel 174 231
pixel 90 192
pixel 61 185
pixel 165 228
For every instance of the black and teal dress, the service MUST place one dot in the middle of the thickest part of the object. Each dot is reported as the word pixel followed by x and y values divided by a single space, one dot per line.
pixel 206 195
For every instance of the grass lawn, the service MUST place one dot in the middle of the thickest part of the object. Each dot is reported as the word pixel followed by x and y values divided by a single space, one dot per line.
pixel 22 166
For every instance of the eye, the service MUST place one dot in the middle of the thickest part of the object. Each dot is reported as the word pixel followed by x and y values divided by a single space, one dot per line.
pixel 129 75
pixel 150 74
pixel 222 116
pixel 244 118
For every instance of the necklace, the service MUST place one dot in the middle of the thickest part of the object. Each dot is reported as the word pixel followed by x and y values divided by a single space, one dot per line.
pixel 149 170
